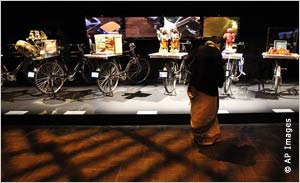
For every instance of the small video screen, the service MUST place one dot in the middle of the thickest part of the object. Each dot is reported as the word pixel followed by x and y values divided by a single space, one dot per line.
pixel 187 26
pixel 217 26
pixel 142 27
pixel 103 25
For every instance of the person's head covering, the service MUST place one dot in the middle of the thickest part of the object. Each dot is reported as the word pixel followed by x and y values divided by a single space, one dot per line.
pixel 211 44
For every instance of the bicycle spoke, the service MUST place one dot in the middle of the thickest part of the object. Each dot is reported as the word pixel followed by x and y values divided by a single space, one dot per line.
pixel 42 84
pixel 40 79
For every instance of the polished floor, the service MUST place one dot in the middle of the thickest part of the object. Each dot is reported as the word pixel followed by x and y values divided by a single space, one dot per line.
pixel 248 152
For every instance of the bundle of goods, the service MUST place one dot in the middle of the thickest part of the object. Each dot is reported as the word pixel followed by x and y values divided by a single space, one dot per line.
pixel 279 51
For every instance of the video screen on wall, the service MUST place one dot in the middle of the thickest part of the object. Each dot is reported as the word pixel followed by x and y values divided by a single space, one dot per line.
pixel 288 34
pixel 103 25
pixel 142 27
pixel 217 26
pixel 187 26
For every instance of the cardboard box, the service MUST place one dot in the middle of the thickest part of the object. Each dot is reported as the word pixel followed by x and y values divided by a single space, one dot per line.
pixel 48 48
pixel 108 43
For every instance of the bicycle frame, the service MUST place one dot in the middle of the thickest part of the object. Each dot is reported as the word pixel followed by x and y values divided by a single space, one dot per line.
pixel 233 66
pixel 15 71
pixel 277 76
pixel 132 59
pixel 71 74
pixel 11 75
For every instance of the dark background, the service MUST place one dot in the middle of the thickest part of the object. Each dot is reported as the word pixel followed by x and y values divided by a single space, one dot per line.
pixel 65 21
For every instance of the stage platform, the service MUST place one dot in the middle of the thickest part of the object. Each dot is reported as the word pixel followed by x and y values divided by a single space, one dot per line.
pixel 143 100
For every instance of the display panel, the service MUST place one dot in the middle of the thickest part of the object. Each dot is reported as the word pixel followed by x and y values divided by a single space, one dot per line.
pixel 142 27
pixel 103 25
pixel 217 26
pixel 187 26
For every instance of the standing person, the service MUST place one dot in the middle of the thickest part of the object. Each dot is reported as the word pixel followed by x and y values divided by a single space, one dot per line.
pixel 207 74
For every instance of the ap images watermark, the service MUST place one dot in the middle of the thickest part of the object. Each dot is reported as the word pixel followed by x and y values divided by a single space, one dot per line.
pixel 288 146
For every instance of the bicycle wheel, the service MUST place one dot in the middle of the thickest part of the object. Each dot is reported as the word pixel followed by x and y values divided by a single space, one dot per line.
pixel 170 81
pixel 138 70
pixel 87 68
pixel 184 73
pixel 228 78
pixel 109 78
pixel 49 77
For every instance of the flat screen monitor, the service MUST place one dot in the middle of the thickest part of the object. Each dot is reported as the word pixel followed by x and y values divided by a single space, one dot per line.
pixel 187 26
pixel 142 27
pixel 217 26
pixel 103 25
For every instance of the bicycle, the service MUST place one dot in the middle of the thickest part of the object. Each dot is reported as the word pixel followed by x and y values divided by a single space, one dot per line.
pixel 51 76
pixel 137 70
pixel 233 69
pixel 21 50
pixel 174 73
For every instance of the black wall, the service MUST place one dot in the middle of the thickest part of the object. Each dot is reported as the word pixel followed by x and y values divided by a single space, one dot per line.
pixel 65 21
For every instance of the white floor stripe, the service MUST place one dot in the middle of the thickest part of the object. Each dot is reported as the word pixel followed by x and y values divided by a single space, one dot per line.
pixel 223 112
pixel 16 112
pixel 74 112
pixel 282 110
pixel 146 112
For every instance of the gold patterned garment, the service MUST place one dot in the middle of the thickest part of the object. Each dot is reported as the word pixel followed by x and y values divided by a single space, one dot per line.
pixel 204 121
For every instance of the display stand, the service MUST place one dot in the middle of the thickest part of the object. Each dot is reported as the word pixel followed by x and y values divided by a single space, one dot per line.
pixel 101 56
pixel 176 56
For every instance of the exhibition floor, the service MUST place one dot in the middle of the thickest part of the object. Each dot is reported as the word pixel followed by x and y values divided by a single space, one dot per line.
pixel 86 105
pixel 139 100
pixel 162 153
